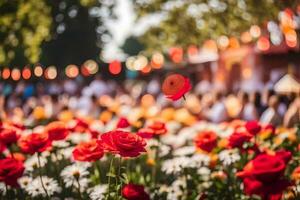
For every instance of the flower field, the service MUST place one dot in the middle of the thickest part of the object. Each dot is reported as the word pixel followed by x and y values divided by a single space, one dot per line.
pixel 83 158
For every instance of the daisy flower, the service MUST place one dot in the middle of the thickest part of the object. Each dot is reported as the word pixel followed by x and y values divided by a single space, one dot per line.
pixel 75 173
pixel 32 163
pixel 228 157
pixel 35 188
pixel 24 181
pixel 97 192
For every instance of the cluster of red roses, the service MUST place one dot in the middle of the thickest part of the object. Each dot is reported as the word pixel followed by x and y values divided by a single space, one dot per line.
pixel 261 176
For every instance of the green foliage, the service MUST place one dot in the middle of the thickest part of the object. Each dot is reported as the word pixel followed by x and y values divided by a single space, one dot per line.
pixel 193 21
pixel 24 25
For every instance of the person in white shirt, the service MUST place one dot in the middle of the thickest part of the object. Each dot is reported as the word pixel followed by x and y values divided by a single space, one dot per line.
pixel 218 112
pixel 271 115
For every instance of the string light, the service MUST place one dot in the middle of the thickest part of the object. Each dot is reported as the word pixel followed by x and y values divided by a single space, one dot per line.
pixel 26 73
pixel 51 73
pixel 15 74
pixel 115 67
pixel 5 73
pixel 38 71
pixel 263 44
pixel 255 31
pixel 72 71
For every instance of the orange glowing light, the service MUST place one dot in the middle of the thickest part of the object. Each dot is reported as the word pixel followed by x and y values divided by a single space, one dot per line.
pixel 15 74
pixel 291 38
pixel 234 43
pixel 115 67
pixel 26 73
pixel 176 54
pixel 72 71
pixel 157 60
pixel 5 73
pixel 246 37
pixel 211 45
pixel 263 44
pixel 38 71
pixel 146 69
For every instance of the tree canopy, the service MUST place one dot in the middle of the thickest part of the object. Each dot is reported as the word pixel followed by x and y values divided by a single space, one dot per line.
pixel 192 21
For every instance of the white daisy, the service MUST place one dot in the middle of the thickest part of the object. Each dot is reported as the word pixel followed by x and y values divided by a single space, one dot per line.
pixel 176 191
pixel 24 181
pixel 60 144
pixel 74 172
pixel 184 151
pixel 97 192
pixel 228 157
pixel 35 187
pixel 64 153
pixel 32 163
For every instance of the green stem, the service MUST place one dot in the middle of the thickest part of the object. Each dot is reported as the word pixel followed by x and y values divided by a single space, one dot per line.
pixel 78 188
pixel 109 177
pixel 40 175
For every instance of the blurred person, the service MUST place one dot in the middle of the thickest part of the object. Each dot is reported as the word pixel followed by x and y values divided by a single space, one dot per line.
pixel 98 86
pixel 256 98
pixel 292 116
pixel 203 86
pixel 271 114
pixel 218 112
pixel 248 111
pixel 70 86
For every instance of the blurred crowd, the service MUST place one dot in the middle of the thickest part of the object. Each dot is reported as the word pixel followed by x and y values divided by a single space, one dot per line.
pixel 94 98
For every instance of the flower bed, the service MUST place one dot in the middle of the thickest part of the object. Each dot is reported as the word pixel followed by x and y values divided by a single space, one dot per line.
pixel 117 159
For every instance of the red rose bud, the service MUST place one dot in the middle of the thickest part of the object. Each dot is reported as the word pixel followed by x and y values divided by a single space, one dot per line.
pixel 8 136
pixel 175 86
pixel 57 131
pixel 123 123
pixel 237 139
pixel 253 127
pixel 134 192
pixel 34 142
pixel 159 128
pixel 88 151
pixel 124 143
pixel 10 171
pixel 206 141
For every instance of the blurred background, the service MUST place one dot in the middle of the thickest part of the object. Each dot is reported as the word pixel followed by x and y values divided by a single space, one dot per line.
pixel 90 48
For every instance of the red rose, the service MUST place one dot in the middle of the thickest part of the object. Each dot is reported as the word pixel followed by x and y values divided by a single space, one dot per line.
pixel 206 141
pixel 175 86
pixel 237 139
pixel 10 171
pixel 57 131
pixel 134 192
pixel 263 176
pixel 253 127
pixel 145 133
pixel 123 123
pixel 158 128
pixel 123 143
pixel 34 142
pixel 8 136
pixel 88 151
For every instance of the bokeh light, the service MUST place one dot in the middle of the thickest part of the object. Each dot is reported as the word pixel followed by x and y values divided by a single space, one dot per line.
pixel 246 37
pixel 38 71
pixel 263 44
pixel 15 74
pixel 176 54
pixel 157 60
pixel 26 73
pixel 51 72
pixel 255 31
pixel 223 42
pixel 91 66
pixel 291 38
pixel 115 67
pixel 72 71
pixel 5 73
